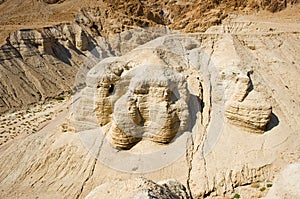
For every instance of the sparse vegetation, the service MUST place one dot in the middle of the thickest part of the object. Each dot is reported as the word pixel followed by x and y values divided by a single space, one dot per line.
pixel 27 121
pixel 262 189
pixel 60 98
pixel 269 185
pixel 236 196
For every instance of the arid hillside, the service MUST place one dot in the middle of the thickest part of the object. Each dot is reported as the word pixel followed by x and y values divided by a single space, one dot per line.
pixel 44 43
pixel 113 16
pixel 205 115
pixel 149 99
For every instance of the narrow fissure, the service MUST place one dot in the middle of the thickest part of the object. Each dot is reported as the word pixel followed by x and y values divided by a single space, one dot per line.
pixel 91 173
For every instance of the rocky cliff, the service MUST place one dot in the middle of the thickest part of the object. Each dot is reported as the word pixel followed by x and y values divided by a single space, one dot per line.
pixel 217 111
pixel 210 148
pixel 39 62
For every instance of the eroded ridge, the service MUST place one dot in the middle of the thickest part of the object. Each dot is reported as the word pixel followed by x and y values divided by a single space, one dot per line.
pixel 149 101
pixel 247 108
pixel 148 94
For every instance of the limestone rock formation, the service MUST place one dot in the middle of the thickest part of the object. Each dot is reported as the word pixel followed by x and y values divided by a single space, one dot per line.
pixel 49 23
pixel 211 158
pixel 150 108
pixel 139 188
pixel 41 64
pixel 248 109
pixel 189 16
pixel 251 116
pixel 36 65
pixel 145 99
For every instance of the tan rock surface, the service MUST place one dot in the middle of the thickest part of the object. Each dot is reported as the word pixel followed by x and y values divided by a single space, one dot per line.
pixel 36 65
pixel 246 108
pixel 45 27
pixel 212 158
pixel 149 109
pixel 286 185
pixel 139 188
pixel 39 64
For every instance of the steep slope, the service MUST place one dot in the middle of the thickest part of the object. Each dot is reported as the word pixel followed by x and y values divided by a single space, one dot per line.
pixel 213 158
pixel 40 64
pixel 42 46
pixel 236 110
pixel 43 63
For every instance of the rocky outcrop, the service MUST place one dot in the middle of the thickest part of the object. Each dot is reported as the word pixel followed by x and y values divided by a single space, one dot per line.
pixel 211 158
pixel 248 109
pixel 188 16
pixel 150 109
pixel 141 100
pixel 47 62
pixel 56 46
pixel 251 116
pixel 40 64
pixel 139 188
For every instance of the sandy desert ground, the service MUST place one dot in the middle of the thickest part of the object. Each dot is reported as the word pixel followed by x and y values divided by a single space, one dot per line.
pixel 263 47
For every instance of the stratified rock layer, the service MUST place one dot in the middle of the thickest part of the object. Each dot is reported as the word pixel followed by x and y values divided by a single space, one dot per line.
pixel 248 109
pixel 145 99
pixel 249 116
pixel 40 64
pixel 215 157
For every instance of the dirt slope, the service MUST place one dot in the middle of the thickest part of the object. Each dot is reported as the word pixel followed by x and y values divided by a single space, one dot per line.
pixel 240 162
pixel 116 16
pixel 46 39
pixel 41 61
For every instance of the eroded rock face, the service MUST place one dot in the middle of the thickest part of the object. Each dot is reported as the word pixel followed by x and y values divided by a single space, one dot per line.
pixel 208 169
pixel 143 98
pixel 248 110
pixel 43 63
pixel 139 188
pixel 117 16
pixel 40 64
pixel 249 115
pixel 147 101
pixel 154 107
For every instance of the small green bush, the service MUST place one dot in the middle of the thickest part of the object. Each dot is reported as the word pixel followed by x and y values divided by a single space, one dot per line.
pixel 269 185
pixel 236 195
pixel 262 189
pixel 60 98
